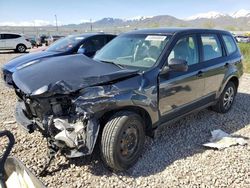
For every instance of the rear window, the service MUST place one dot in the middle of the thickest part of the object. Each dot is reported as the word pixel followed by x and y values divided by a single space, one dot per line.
pixel 211 46
pixel 230 44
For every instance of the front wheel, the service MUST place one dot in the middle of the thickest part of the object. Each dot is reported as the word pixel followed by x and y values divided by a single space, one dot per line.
pixel 122 140
pixel 226 99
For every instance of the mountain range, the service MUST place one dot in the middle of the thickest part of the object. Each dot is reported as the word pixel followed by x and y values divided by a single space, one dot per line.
pixel 237 21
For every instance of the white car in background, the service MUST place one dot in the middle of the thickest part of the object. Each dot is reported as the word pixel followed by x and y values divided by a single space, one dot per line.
pixel 13 41
pixel 242 39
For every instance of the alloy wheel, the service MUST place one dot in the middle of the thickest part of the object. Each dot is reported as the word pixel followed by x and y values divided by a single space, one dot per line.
pixel 228 98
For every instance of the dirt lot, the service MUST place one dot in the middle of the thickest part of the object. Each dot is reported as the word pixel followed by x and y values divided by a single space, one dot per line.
pixel 175 158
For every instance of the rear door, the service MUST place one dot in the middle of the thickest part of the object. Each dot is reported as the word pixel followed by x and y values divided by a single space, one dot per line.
pixel 2 41
pixel 180 92
pixel 11 40
pixel 214 63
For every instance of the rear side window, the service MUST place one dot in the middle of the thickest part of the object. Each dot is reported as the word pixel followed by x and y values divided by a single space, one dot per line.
pixel 230 44
pixel 10 36
pixel 211 47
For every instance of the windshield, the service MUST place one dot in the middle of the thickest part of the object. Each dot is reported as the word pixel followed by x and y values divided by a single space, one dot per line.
pixel 65 44
pixel 137 51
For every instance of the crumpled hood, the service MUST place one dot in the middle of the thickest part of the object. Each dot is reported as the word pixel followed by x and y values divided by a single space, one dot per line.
pixel 65 74
pixel 23 59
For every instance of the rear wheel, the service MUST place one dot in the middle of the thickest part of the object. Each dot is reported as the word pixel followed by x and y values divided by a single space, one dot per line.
pixel 226 99
pixel 122 140
pixel 21 48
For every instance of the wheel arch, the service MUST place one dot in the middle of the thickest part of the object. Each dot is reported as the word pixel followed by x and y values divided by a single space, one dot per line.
pixel 21 44
pixel 147 121
pixel 233 78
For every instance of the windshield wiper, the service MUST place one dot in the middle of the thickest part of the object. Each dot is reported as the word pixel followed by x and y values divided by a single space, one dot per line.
pixel 111 62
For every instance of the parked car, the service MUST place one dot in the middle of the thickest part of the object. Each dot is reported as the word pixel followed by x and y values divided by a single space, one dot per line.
pixel 49 40
pixel 13 41
pixel 57 37
pixel 86 44
pixel 242 39
pixel 33 41
pixel 42 40
pixel 135 83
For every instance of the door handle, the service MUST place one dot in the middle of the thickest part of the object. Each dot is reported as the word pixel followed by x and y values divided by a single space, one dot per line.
pixel 200 74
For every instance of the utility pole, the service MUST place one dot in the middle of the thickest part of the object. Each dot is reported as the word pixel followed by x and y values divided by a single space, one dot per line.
pixel 56 23
pixel 91 26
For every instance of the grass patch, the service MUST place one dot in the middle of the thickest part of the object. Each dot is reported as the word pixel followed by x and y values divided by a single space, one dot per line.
pixel 245 50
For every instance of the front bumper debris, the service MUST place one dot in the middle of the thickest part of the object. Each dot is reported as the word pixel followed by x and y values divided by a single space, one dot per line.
pixel 74 139
pixel 22 119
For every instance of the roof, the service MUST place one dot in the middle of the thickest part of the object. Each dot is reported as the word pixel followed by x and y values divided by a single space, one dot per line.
pixel 85 35
pixel 175 30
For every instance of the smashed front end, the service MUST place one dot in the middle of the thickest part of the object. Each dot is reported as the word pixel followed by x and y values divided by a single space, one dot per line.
pixel 71 130
pixel 60 97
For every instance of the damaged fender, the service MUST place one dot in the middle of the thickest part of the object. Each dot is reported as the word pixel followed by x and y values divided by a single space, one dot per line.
pixel 67 108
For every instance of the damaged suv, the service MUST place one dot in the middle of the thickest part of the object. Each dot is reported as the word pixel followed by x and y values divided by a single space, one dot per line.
pixel 139 80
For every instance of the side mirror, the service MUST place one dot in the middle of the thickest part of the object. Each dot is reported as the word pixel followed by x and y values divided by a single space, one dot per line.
pixel 81 51
pixel 179 65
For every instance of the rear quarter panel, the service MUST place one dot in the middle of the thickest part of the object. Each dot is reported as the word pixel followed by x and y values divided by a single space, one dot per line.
pixel 235 69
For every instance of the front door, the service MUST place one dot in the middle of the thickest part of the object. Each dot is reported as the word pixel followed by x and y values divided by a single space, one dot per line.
pixel 179 92
pixel 2 42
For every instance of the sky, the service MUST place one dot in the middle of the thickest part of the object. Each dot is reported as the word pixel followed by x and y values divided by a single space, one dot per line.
pixel 40 12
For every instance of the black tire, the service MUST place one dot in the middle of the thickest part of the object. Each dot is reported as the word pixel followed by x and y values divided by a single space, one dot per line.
pixel 21 48
pixel 228 94
pixel 122 140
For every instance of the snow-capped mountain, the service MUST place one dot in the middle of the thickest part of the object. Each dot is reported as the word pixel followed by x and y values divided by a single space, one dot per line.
pixel 208 15
pixel 241 13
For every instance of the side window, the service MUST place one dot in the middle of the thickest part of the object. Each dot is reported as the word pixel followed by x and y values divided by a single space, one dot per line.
pixel 186 48
pixel 109 38
pixel 4 36
pixel 94 44
pixel 230 44
pixel 15 36
pixel 10 36
pixel 211 47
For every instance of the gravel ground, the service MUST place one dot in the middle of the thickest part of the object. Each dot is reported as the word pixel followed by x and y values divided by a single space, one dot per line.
pixel 175 158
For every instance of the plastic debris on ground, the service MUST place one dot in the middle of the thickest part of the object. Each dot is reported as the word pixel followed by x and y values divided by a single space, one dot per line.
pixel 221 140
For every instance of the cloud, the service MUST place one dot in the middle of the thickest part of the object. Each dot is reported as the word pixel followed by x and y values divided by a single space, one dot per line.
pixel 27 23
pixel 85 21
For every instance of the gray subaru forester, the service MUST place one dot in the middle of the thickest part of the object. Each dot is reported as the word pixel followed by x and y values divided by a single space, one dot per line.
pixel 139 80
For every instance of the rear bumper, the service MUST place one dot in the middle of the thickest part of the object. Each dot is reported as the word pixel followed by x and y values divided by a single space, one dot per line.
pixel 22 119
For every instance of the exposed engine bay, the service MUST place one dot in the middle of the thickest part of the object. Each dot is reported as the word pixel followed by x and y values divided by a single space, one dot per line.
pixel 72 132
